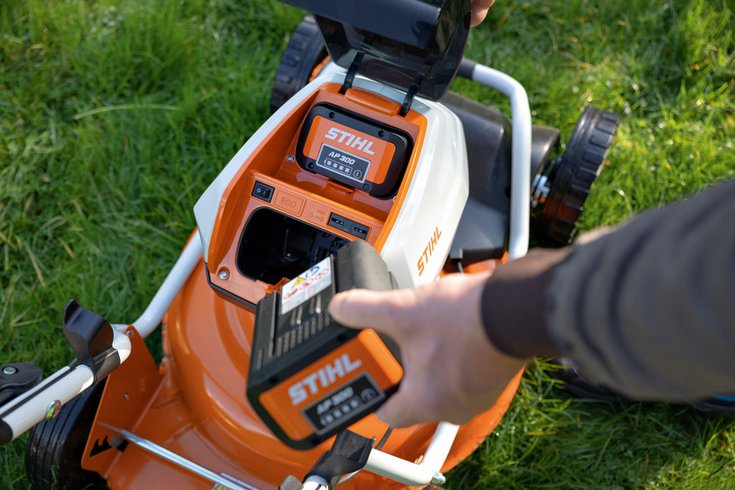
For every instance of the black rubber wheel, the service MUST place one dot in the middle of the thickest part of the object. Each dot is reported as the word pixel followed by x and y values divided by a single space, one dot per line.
pixel 55 447
pixel 576 384
pixel 717 405
pixel 305 50
pixel 568 180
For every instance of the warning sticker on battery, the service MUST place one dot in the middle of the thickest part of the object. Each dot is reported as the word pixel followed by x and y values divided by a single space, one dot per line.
pixel 344 403
pixel 306 285
pixel 342 164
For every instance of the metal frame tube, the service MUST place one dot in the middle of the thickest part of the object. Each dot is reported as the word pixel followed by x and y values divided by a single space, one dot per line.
pixel 43 401
pixel 181 461
pixel 412 474
pixel 520 196
pixel 315 483
pixel 182 269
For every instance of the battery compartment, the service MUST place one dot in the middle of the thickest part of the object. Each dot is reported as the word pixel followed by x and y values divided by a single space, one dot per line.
pixel 276 218
pixel 274 246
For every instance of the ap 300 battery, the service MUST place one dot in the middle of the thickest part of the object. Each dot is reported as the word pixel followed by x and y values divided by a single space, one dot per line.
pixel 310 377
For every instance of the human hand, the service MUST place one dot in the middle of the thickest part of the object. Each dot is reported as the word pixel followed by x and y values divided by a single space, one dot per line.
pixel 451 371
pixel 479 10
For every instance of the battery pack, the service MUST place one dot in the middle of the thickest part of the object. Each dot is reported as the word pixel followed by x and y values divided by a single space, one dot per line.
pixel 353 150
pixel 310 377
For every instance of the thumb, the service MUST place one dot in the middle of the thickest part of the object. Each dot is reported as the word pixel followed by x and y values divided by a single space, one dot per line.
pixel 479 10
pixel 379 310
pixel 408 406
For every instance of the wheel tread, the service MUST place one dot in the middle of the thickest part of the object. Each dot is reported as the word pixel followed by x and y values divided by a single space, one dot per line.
pixel 304 51
pixel 54 449
pixel 574 175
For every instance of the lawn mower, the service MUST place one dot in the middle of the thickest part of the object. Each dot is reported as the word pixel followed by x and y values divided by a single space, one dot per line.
pixel 369 173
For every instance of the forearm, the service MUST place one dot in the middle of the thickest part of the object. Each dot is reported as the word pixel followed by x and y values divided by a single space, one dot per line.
pixel 514 305
pixel 648 310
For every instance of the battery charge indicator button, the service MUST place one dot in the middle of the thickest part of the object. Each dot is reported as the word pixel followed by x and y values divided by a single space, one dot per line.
pixel 356 398
pixel 338 163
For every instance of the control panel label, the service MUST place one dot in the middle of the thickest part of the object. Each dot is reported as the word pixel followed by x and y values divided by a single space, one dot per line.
pixel 344 402
pixel 342 164
pixel 307 285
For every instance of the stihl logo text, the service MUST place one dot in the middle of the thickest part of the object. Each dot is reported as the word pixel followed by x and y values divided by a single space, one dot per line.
pixel 429 250
pixel 322 378
pixel 351 140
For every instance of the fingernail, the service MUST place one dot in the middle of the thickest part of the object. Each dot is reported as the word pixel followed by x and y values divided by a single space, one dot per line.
pixel 384 416
pixel 334 306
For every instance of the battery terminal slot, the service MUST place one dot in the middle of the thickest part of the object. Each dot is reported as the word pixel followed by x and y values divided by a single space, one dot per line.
pixel 349 226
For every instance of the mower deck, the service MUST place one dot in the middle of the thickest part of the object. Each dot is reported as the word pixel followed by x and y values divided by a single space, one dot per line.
pixel 195 406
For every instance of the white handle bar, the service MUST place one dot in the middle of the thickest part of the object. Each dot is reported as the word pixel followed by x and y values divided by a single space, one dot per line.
pixel 44 400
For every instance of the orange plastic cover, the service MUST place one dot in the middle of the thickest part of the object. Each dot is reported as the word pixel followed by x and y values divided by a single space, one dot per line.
pixel 288 402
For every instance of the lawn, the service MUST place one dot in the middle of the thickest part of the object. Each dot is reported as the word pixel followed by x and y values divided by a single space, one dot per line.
pixel 115 116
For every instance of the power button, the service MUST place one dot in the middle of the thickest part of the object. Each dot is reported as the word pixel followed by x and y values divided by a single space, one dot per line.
pixel 262 191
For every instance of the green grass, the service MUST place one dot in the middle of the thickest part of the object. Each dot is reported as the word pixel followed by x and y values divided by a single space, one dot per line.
pixel 115 116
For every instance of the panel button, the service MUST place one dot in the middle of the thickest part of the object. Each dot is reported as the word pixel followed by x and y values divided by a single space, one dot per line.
pixel 262 191
pixel 293 204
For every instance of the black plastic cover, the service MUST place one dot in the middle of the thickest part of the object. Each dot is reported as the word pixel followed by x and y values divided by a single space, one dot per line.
pixel 17 378
pixel 91 337
pixel 88 333
pixel 483 227
pixel 348 454
pixel 402 41
pixel 484 224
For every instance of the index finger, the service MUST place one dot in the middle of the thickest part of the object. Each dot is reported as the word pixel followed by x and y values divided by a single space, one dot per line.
pixel 379 310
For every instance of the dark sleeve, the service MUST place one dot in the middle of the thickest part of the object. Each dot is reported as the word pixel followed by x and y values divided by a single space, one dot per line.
pixel 513 305
pixel 647 310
